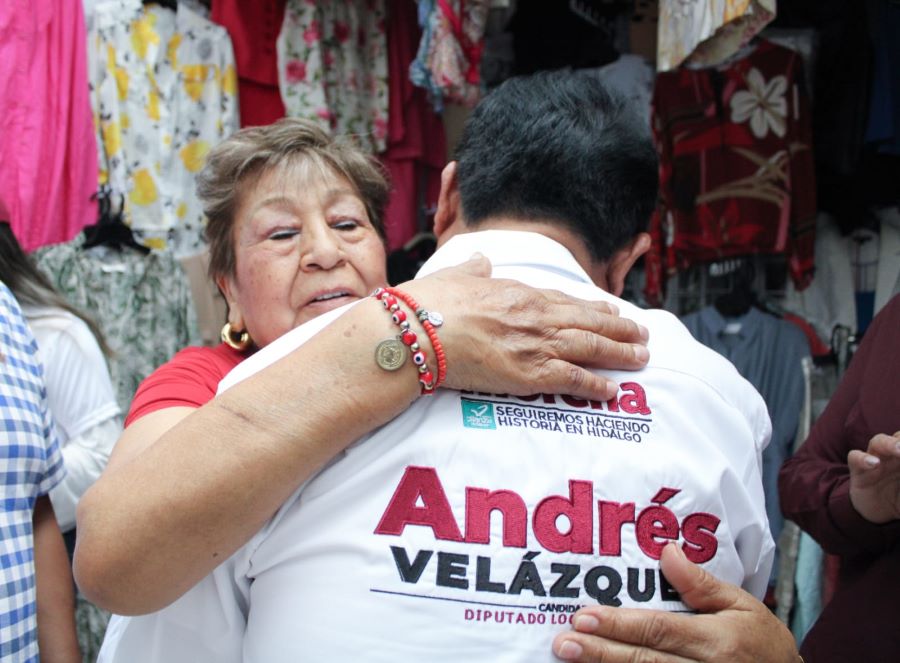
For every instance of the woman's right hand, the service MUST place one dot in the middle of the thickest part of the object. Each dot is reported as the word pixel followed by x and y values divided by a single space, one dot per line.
pixel 730 625
pixel 502 336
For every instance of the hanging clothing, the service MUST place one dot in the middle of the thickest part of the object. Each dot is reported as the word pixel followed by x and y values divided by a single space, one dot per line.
pixel 632 77
pixel 804 42
pixel 883 127
pixel 447 62
pixel 707 32
pixel 829 300
pixel 843 71
pixel 418 69
pixel 810 563
pixel 417 146
pixel 200 7
pixel 798 576
pixel 48 169
pixel 209 304
pixel 332 67
pixel 769 353
pixel 887 281
pixel 864 244
pixel 736 166
pixel 254 29
pixel 142 303
pixel 164 92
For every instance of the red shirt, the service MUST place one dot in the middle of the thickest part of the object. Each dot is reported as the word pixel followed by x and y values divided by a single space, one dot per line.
pixel 736 165
pixel 416 148
pixel 189 379
pixel 253 28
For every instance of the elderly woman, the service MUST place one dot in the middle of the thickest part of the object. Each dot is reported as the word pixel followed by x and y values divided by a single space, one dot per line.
pixel 295 232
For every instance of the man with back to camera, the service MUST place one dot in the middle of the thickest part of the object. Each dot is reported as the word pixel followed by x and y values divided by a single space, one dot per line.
pixel 474 525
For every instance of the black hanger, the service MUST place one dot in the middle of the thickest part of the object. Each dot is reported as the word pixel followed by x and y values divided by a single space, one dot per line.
pixel 110 229
pixel 736 303
pixel 741 296
pixel 167 4
pixel 421 238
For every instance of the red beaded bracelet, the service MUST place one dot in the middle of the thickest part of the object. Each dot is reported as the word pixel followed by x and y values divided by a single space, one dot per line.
pixel 430 321
pixel 389 297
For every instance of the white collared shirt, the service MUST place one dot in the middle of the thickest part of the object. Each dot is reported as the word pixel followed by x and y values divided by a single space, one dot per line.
pixel 473 525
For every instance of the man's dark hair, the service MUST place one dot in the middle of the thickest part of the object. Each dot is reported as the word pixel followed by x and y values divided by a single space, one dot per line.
pixel 559 146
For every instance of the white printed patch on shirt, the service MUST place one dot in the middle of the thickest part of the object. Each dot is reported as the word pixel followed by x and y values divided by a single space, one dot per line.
pixel 627 417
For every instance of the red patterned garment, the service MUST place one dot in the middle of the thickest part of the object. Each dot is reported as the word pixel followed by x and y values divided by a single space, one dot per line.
pixel 736 165
pixel 254 28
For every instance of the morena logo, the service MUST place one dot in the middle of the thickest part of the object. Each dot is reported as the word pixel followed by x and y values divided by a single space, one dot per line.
pixel 631 399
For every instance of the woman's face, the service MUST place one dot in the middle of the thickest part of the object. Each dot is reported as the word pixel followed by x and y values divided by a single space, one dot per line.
pixel 304 245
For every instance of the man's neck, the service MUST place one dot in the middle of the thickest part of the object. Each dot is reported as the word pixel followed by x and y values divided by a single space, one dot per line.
pixel 550 229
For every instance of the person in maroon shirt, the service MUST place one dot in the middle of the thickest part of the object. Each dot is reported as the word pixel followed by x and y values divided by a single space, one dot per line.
pixel 843 487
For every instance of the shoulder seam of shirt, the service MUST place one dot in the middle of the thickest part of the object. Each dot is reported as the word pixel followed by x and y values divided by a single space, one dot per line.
pixel 714 389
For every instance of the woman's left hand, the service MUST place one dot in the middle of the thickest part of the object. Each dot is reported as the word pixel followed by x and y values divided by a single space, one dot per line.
pixel 502 336
pixel 732 626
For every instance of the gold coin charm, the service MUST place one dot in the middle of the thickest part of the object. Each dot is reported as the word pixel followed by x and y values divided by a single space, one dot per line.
pixel 390 354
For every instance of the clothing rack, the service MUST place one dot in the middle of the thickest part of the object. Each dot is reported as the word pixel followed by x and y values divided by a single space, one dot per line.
pixel 702 284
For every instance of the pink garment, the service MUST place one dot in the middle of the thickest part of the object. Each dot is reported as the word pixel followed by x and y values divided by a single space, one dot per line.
pixel 48 152
pixel 417 146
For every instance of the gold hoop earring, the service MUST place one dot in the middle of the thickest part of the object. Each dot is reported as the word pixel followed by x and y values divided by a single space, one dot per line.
pixel 239 341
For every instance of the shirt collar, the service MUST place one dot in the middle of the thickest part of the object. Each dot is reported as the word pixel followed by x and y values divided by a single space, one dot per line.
pixel 507 248
pixel 717 325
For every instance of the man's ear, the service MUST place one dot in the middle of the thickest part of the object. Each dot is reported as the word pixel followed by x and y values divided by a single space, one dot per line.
pixel 623 260
pixel 235 315
pixel 448 206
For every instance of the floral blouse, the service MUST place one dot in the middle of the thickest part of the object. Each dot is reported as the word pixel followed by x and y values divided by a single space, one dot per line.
pixel 142 303
pixel 736 171
pixel 707 32
pixel 332 67
pixel 163 93
pixel 447 63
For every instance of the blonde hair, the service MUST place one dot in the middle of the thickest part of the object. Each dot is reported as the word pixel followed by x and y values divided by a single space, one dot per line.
pixel 236 164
